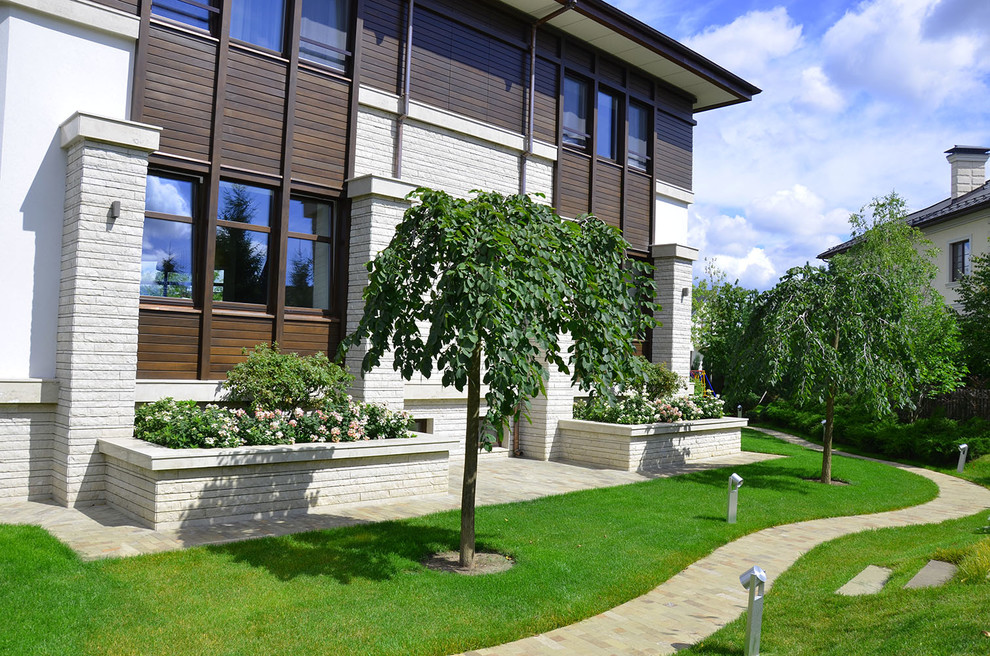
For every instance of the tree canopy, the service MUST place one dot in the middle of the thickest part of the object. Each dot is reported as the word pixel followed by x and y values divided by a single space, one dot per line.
pixel 486 289
pixel 869 324
pixel 974 297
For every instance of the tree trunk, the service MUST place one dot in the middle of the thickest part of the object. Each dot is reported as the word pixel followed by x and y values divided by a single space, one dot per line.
pixel 471 460
pixel 829 423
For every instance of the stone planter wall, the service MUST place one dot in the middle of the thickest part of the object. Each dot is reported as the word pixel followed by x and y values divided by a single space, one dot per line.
pixel 647 447
pixel 174 488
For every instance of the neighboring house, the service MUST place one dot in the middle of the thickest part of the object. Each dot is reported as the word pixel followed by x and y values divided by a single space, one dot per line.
pixel 181 180
pixel 958 226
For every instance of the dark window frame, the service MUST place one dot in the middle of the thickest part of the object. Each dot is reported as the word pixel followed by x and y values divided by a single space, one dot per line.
pixel 196 221
pixel 586 137
pixel 959 260
pixel 210 6
pixel 330 239
pixel 632 158
pixel 272 244
pixel 344 52
pixel 617 124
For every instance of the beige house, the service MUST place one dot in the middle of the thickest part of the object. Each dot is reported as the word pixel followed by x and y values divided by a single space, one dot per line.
pixel 958 226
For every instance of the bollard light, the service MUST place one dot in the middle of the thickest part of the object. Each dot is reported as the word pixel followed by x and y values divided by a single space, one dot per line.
pixel 754 580
pixel 735 482
pixel 963 452
pixel 739 410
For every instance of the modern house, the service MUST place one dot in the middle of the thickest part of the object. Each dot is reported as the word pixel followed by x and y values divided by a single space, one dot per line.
pixel 959 226
pixel 185 178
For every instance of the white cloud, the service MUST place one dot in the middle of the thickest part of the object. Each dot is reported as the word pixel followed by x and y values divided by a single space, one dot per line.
pixel 817 91
pixel 166 196
pixel 754 270
pixel 747 44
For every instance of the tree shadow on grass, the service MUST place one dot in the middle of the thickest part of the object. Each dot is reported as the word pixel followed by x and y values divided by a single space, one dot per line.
pixel 758 475
pixel 717 650
pixel 375 552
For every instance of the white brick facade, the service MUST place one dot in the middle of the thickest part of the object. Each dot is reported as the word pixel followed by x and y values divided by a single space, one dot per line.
pixel 96 352
pixel 674 279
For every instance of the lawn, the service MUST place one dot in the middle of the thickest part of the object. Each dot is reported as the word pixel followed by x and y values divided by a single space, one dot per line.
pixel 363 590
pixel 802 615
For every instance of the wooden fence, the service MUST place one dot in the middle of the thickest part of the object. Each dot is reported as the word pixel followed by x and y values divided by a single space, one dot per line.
pixel 960 405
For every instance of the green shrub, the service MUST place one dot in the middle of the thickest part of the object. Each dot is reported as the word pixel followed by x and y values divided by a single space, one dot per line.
pixel 273 380
pixel 658 382
pixel 638 409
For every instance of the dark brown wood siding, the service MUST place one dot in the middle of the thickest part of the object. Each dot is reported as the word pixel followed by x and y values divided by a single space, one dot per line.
pixel 575 180
pixel 639 202
pixel 607 200
pixel 254 109
pixel 545 98
pixel 382 44
pixel 461 69
pixel 306 337
pixel 179 91
pixel 230 335
pixel 319 143
pixel 674 150
pixel 168 344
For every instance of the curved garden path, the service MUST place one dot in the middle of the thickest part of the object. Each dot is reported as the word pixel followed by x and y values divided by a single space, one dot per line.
pixel 707 595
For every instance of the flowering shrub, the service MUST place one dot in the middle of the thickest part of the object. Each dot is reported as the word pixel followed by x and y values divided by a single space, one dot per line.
pixel 183 424
pixel 637 409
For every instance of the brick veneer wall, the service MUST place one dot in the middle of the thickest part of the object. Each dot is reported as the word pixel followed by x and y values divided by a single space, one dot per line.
pixel 673 275
pixel 26 444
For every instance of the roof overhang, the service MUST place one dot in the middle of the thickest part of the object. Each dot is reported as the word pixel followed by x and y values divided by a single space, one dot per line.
pixel 623 37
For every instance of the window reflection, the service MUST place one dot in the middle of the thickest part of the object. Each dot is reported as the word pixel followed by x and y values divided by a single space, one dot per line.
pixel 194 14
pixel 259 22
pixel 240 203
pixel 639 134
pixel 575 112
pixel 166 259
pixel 608 126
pixel 308 273
pixel 323 33
pixel 241 270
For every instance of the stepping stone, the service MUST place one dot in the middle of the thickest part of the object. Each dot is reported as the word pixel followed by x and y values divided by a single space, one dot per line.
pixel 932 575
pixel 870 581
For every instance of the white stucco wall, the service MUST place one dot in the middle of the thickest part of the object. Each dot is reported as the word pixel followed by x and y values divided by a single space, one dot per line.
pixel 49 68
pixel 671 225
pixel 976 228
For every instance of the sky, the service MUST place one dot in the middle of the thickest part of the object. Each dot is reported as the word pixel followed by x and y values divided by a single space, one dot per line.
pixel 859 99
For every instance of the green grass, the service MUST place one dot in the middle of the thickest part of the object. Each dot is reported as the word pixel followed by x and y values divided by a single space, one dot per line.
pixel 802 615
pixel 362 590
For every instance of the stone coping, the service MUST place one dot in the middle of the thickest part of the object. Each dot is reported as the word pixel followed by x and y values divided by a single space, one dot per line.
pixel 159 458
pixel 661 428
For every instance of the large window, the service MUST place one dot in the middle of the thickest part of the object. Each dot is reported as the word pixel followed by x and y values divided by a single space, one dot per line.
pixel 240 272
pixel 259 22
pixel 167 245
pixel 575 112
pixel 639 136
pixel 309 260
pixel 960 260
pixel 192 13
pixel 607 136
pixel 323 33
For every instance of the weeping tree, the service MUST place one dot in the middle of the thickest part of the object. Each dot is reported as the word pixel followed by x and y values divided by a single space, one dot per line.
pixel 868 325
pixel 483 290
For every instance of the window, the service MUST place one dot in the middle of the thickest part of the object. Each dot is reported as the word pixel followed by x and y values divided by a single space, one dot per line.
pixel 575 112
pixel 259 22
pixel 309 260
pixel 240 271
pixel 960 260
pixel 190 12
pixel 639 136
pixel 323 33
pixel 167 244
pixel 607 137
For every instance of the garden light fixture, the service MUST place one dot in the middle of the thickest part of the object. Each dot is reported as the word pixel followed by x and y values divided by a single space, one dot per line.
pixel 963 452
pixel 735 482
pixel 754 580
pixel 739 410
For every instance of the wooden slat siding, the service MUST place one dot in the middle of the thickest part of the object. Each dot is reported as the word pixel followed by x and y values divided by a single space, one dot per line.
pixel 612 73
pixel 254 102
pixel 577 57
pixel 545 109
pixel 483 17
pixel 319 146
pixel 547 45
pixel 607 199
pixel 381 44
pixel 307 337
pixel 129 6
pixel 639 85
pixel 575 177
pixel 178 93
pixel 674 150
pixel 460 69
pixel 232 334
pixel 636 222
pixel 168 344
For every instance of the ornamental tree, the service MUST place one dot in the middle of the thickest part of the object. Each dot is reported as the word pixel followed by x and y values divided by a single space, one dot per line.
pixel 869 324
pixel 974 297
pixel 482 290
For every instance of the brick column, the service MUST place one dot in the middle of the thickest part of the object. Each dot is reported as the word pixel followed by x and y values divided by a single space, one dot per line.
pixel 96 351
pixel 377 206
pixel 537 439
pixel 673 276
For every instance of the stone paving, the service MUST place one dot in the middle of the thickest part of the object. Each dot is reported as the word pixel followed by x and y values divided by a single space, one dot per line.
pixel 101 531
pixel 707 595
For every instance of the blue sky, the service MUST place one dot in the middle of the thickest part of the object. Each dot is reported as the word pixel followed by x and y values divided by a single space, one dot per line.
pixel 859 99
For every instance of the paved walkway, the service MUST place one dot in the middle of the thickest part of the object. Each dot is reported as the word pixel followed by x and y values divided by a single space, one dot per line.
pixel 102 531
pixel 707 595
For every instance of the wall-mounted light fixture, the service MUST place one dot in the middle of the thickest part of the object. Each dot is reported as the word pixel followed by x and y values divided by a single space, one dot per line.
pixel 115 209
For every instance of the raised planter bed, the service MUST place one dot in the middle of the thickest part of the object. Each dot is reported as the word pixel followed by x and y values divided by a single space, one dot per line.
pixel 173 488
pixel 646 447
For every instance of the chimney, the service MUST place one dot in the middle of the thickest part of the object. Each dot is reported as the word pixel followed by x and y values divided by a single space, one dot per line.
pixel 968 168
